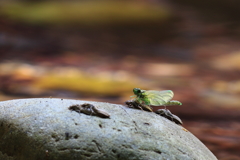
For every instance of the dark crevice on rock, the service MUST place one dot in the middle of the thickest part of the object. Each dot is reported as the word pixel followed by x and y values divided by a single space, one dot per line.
pixel 98 145
pixel 76 136
pixel 67 136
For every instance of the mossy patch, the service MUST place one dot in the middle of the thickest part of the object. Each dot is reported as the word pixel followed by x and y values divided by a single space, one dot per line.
pixel 86 84
pixel 85 13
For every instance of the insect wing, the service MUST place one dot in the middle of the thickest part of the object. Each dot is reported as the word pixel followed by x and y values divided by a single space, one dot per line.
pixel 158 98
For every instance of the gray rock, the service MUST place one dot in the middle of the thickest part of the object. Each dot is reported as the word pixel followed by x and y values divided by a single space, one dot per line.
pixel 45 129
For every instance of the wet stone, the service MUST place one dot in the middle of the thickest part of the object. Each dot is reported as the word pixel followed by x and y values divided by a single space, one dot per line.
pixel 45 129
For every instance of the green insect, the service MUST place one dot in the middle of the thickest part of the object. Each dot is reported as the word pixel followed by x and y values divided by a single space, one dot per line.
pixel 154 98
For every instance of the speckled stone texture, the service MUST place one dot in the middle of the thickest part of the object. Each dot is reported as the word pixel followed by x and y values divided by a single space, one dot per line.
pixel 45 129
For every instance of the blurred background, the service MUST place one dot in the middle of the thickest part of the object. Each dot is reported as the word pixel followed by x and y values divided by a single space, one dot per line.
pixel 100 50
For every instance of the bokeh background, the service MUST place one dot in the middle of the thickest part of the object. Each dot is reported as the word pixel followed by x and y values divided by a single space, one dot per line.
pixel 100 50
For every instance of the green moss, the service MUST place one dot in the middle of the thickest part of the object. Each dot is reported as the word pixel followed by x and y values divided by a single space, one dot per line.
pixel 85 13
pixel 86 84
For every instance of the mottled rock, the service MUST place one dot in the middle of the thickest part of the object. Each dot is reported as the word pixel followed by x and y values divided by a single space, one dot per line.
pixel 45 129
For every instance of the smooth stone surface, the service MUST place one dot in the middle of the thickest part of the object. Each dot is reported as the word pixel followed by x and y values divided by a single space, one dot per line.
pixel 45 129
